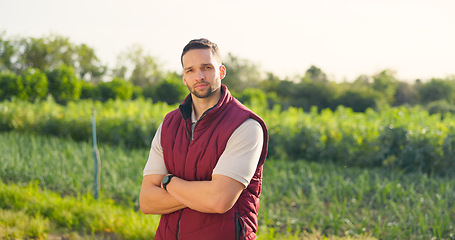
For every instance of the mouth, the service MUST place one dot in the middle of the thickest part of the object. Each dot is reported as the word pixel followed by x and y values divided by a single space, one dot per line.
pixel 200 86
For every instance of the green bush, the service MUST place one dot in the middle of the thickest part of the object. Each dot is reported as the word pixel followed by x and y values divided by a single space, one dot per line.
pixel 253 97
pixel 170 90
pixel 35 84
pixel 118 88
pixel 437 89
pixel 441 107
pixel 90 91
pixel 358 100
pixel 11 86
pixel 64 84
pixel 129 123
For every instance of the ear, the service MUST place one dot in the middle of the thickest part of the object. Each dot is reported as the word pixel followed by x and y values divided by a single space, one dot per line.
pixel 222 72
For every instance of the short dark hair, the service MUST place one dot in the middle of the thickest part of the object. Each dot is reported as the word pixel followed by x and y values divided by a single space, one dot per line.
pixel 201 43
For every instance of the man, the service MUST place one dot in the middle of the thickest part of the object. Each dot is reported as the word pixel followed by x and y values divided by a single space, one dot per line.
pixel 204 172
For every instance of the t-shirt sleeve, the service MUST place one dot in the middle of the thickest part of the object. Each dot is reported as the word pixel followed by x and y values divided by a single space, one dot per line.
pixel 241 156
pixel 155 163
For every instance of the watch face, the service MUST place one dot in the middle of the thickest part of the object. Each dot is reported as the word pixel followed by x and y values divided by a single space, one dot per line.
pixel 166 179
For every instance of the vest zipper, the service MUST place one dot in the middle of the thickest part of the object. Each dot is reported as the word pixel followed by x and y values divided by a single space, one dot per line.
pixel 186 128
pixel 178 225
pixel 191 133
pixel 239 227
pixel 197 122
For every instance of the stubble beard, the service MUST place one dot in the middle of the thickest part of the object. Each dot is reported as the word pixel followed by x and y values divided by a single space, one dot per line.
pixel 203 94
pixel 209 91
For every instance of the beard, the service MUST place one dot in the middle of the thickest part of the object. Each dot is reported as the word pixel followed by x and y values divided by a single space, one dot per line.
pixel 205 93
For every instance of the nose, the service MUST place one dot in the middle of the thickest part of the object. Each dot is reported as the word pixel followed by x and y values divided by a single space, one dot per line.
pixel 200 76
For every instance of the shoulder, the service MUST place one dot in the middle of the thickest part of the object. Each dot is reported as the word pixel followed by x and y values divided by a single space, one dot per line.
pixel 245 109
pixel 248 130
pixel 250 123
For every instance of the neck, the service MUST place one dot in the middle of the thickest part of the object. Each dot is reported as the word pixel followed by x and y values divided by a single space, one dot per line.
pixel 202 104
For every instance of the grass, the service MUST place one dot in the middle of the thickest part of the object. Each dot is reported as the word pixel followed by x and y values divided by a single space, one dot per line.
pixel 29 212
pixel 352 202
pixel 20 225
pixel 47 215
pixel 300 200
pixel 67 166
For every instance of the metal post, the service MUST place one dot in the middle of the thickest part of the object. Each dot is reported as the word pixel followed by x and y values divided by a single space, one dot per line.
pixel 97 161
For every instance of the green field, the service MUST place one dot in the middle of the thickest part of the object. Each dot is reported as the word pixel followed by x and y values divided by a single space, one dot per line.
pixel 365 158
pixel 394 137
pixel 298 198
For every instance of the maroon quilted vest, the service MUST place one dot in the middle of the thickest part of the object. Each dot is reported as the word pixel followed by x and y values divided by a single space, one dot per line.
pixel 194 160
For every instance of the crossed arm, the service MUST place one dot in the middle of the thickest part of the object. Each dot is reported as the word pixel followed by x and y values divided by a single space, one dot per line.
pixel 215 196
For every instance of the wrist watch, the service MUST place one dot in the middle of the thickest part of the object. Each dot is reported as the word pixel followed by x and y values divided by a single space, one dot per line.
pixel 166 180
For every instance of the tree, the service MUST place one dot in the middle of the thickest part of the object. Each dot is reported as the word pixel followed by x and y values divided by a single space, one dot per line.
pixel 10 86
pixel 64 84
pixel 437 89
pixel 440 106
pixel 316 93
pixel 253 97
pixel 35 84
pixel 270 83
pixel 48 53
pixel 118 88
pixel 385 84
pixel 269 86
pixel 287 92
pixel 358 99
pixel 45 53
pixel 90 90
pixel 240 74
pixel 89 66
pixel 362 81
pixel 170 90
pixel 138 67
pixel 405 94
pixel 314 74
pixel 7 51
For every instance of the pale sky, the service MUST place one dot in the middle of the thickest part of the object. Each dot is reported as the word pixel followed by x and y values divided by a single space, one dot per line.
pixel 345 38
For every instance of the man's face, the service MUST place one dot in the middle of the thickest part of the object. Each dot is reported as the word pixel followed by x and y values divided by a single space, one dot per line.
pixel 202 73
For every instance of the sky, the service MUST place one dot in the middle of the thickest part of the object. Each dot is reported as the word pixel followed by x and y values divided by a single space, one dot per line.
pixel 344 38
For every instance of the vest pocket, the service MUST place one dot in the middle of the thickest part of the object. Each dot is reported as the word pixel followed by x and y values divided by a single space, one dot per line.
pixel 239 227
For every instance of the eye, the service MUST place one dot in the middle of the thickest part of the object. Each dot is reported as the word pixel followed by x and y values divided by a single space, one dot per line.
pixel 189 70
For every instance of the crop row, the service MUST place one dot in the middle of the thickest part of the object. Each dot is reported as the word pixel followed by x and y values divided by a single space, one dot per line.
pixel 400 137
pixel 296 197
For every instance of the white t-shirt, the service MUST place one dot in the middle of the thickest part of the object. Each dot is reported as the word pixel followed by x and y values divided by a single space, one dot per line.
pixel 238 161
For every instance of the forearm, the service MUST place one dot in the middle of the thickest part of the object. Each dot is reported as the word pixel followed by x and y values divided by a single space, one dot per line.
pixel 155 200
pixel 158 201
pixel 215 196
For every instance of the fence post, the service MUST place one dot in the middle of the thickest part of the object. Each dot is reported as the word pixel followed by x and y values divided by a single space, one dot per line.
pixel 97 161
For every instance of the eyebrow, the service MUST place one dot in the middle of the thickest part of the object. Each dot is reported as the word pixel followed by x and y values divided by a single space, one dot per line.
pixel 202 65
